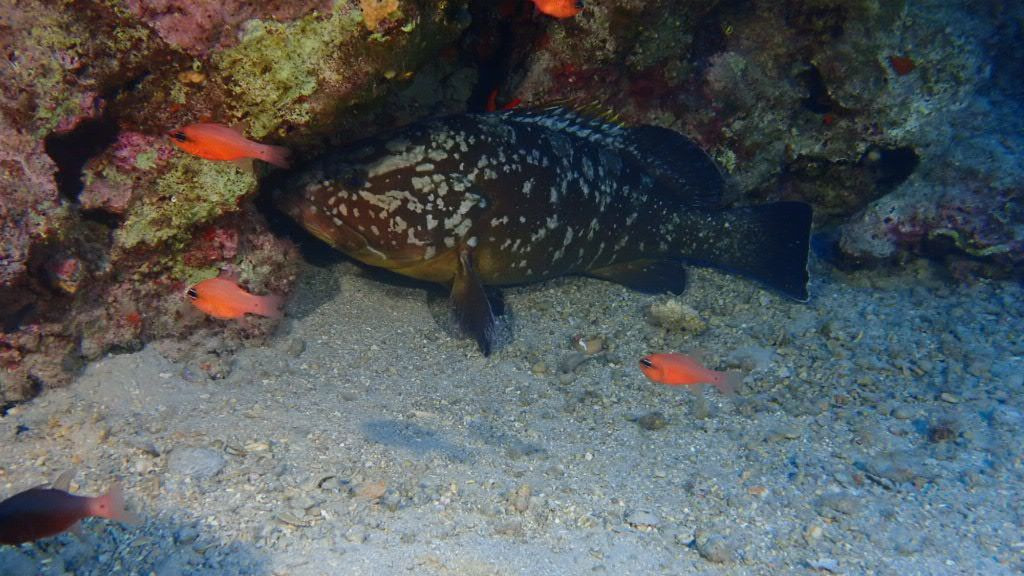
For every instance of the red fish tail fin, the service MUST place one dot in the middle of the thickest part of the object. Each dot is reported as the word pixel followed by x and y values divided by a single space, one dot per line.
pixel 111 506
pixel 269 306
pixel 276 155
pixel 729 382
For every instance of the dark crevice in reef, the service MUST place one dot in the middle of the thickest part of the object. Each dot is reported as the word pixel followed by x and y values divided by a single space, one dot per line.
pixel 499 40
pixel 890 167
pixel 818 98
pixel 711 35
pixel 71 150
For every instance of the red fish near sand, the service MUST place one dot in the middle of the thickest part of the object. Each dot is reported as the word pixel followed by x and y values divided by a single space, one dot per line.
pixel 224 299
pixel 559 8
pixel 682 370
pixel 220 142
pixel 41 512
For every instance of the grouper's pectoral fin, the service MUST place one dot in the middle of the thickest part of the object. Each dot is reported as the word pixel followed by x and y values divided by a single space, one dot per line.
pixel 470 305
pixel 649 276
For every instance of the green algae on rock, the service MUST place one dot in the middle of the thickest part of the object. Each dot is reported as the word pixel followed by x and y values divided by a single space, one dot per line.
pixel 191 192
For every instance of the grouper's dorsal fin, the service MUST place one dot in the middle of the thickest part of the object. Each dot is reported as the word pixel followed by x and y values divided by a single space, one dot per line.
pixel 592 111
pixel 591 121
pixel 678 164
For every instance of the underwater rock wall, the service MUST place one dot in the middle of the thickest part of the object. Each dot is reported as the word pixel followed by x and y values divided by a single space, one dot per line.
pixel 887 112
pixel 103 223
pixel 887 116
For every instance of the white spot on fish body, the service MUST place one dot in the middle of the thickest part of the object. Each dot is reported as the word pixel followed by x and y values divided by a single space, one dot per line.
pixel 374 230
pixel 431 222
pixel 449 242
pixel 425 167
pixel 411 238
pixel 421 183
pixel 552 222
pixel 343 209
pixel 463 227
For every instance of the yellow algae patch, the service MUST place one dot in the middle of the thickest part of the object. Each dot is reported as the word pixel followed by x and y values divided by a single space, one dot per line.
pixel 376 10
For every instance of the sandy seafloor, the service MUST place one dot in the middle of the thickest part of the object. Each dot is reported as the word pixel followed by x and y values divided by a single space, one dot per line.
pixel 878 432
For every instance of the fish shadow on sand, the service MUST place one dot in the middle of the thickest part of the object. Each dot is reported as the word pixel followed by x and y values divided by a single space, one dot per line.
pixel 514 446
pixel 414 438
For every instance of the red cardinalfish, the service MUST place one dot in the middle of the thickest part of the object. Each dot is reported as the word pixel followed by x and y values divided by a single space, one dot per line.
pixel 41 512
pixel 223 298
pixel 559 8
pixel 681 370
pixel 220 142
pixel 492 102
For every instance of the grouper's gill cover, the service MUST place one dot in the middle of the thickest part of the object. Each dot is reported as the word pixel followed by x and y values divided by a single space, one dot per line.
pixel 523 195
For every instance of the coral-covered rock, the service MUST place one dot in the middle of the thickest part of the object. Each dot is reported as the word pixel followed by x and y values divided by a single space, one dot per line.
pixel 103 223
pixel 836 102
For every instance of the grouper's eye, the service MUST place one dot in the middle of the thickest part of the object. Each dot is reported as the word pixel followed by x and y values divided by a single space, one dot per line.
pixel 646 362
pixel 179 136
pixel 192 293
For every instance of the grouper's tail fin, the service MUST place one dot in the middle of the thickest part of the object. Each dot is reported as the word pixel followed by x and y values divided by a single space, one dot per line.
pixel 768 243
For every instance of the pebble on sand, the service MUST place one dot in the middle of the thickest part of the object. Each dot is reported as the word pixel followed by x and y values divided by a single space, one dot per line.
pixel 195 462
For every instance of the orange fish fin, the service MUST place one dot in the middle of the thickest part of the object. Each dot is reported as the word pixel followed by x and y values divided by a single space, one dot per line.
pixel 699 355
pixel 276 155
pixel 240 127
pixel 730 382
pixel 245 164
pixel 113 505
pixel 229 275
pixel 63 482
pixel 269 306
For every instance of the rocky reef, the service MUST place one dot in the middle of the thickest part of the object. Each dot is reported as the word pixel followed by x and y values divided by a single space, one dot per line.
pixel 103 223
pixel 898 120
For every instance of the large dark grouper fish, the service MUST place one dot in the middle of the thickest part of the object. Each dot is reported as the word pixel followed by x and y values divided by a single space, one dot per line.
pixel 523 195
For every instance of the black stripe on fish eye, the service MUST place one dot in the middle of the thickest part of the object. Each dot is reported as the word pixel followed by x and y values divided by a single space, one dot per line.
pixel 179 136
pixel 192 293
pixel 646 362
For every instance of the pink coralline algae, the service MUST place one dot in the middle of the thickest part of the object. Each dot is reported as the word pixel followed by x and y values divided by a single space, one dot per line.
pixel 30 207
pixel 201 26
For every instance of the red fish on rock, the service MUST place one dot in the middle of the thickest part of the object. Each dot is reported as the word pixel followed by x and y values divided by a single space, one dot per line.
pixel 220 142
pixel 224 299
pixel 682 370
pixel 41 512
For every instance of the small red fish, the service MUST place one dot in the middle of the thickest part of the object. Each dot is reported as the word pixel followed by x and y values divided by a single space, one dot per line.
pixel 902 65
pixel 492 102
pixel 224 299
pixel 682 370
pixel 41 512
pixel 559 8
pixel 220 142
